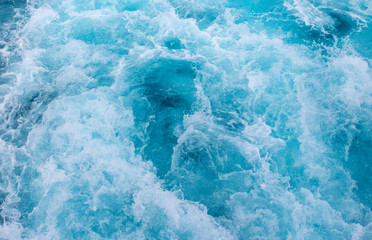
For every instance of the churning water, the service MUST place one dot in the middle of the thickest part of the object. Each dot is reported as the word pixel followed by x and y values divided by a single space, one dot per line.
pixel 186 119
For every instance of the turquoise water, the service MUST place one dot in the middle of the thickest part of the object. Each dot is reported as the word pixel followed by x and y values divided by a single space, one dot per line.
pixel 186 119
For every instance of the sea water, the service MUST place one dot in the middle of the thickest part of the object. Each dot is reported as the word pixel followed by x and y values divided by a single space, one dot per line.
pixel 186 119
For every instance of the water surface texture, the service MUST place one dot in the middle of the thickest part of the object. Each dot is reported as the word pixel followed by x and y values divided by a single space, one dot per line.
pixel 186 119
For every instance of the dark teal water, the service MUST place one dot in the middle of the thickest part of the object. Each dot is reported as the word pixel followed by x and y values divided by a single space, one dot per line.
pixel 186 119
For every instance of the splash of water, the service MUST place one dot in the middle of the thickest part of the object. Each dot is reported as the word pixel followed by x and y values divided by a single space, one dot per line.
pixel 186 119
